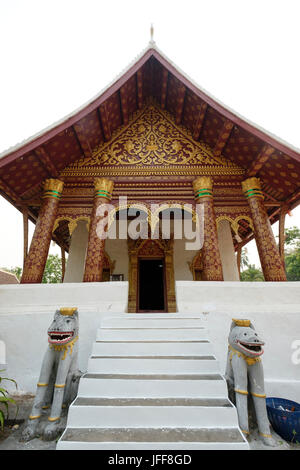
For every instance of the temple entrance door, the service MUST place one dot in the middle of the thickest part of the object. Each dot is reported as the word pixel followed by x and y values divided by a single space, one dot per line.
pixel 151 276
pixel 151 285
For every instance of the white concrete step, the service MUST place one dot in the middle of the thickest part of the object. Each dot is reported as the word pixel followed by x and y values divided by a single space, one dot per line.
pixel 149 334
pixel 153 382
pixel 170 322
pixel 129 365
pixel 155 348
pixel 153 439
pixel 154 416
pixel 147 316
pixel 165 386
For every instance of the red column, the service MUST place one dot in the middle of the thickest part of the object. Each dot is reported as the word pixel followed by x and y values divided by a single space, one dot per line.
pixel 271 262
pixel 212 264
pixel 36 259
pixel 96 242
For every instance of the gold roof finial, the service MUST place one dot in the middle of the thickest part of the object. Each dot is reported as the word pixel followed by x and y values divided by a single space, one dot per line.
pixel 151 33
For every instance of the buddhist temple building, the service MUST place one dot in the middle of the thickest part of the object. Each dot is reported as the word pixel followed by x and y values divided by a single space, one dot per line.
pixel 152 138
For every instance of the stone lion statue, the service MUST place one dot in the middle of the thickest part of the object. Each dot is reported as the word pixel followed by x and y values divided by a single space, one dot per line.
pixel 244 364
pixel 59 376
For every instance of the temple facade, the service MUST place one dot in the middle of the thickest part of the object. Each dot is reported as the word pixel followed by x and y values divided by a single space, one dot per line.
pixel 153 149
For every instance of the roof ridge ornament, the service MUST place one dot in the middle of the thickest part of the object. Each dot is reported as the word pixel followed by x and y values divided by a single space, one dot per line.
pixel 151 42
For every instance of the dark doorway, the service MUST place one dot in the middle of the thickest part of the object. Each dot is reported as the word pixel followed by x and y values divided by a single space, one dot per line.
pixel 151 295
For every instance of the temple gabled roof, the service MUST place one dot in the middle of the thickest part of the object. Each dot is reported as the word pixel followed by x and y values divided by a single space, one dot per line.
pixel 152 75
pixel 8 278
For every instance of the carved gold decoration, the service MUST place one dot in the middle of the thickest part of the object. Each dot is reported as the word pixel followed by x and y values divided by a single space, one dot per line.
pixel 152 217
pixel 108 265
pixel 251 183
pixel 151 249
pixel 141 207
pixel 224 217
pixel 53 185
pixel 196 266
pixel 103 187
pixel 52 188
pixel 152 142
pixel 202 187
pixel 249 360
pixel 241 322
pixel 202 182
pixel 241 210
pixel 252 188
pixel 72 223
pixel 235 222
pixel 68 311
pixel 166 171
pixel 68 347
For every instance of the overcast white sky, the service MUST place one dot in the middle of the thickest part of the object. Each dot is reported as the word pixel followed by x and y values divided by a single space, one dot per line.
pixel 56 55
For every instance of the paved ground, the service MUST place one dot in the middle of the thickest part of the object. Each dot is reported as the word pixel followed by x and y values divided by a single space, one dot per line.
pixel 10 438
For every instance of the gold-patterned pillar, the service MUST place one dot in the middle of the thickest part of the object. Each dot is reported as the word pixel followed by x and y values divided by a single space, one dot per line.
pixel 212 264
pixel 25 234
pixel 271 262
pixel 133 281
pixel 36 259
pixel 170 278
pixel 96 241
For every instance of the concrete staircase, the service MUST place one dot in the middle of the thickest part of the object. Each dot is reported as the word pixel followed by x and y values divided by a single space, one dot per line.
pixel 152 383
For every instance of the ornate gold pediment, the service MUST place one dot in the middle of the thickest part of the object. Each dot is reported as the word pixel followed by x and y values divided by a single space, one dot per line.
pixel 152 142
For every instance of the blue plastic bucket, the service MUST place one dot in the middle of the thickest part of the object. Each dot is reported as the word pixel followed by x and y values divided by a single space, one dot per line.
pixel 285 423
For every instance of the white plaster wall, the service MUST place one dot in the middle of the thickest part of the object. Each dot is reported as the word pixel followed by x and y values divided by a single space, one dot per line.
pixel 118 252
pixel 226 247
pixel 274 309
pixel 26 313
pixel 77 253
pixel 181 259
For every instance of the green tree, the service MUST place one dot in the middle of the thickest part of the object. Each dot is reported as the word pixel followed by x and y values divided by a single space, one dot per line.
pixel 244 258
pixel 292 237
pixel 16 270
pixel 292 253
pixel 252 274
pixel 52 272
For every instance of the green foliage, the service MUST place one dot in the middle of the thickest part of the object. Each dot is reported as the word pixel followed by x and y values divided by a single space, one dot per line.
pixel 53 271
pixel 252 274
pixel 5 400
pixel 292 253
pixel 244 258
pixel 17 271
pixel 292 237
pixel 292 259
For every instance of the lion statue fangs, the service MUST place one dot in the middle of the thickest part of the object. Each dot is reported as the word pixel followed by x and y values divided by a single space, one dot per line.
pixel 59 376
pixel 243 361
